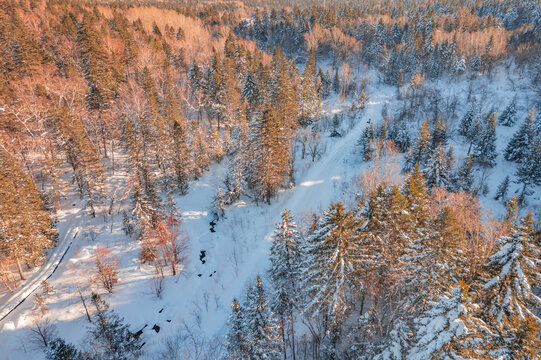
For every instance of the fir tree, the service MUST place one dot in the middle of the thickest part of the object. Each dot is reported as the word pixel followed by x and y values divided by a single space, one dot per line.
pixel 25 227
pixel 464 176
pixel 261 327
pixel 237 346
pixel 514 272
pixel 310 101
pixel 521 140
pixel 503 188
pixel 450 328
pixel 110 338
pixel 484 149
pixel 331 265
pixel 508 116
pixel 529 169
pixel 286 259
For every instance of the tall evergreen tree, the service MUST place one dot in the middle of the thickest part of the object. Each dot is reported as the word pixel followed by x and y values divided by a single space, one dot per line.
pixel 237 346
pixel 270 150
pixel 331 265
pixel 521 140
pixel 451 329
pixel 286 258
pixel 310 100
pixel 514 273
pixel 262 328
pixel 109 337
pixel 25 227
pixel 484 149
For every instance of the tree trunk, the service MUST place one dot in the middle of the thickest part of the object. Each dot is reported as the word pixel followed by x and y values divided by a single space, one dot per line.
pixel 19 268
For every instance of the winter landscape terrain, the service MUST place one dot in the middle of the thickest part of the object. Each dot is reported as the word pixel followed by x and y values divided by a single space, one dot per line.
pixel 148 155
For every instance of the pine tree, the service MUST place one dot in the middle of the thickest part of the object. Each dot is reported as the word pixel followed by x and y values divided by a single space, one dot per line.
pixel 439 135
pixel 237 346
pixel 437 172
pixel 310 100
pixel 521 140
pixel 364 142
pixel 182 161
pixel 464 176
pixel 503 188
pixel 420 151
pixel 286 258
pixel 82 156
pixel 262 331
pixel 514 272
pixel 529 169
pixel 508 116
pixel 270 149
pixel 331 265
pixel 450 328
pixel 518 338
pixel 110 338
pixel 484 149
pixel 25 227
pixel 58 349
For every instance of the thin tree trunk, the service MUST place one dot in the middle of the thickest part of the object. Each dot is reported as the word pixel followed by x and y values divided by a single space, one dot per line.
pixel 84 304
pixel 19 268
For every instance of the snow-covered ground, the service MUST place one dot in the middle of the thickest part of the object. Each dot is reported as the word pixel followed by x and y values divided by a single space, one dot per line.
pixel 235 253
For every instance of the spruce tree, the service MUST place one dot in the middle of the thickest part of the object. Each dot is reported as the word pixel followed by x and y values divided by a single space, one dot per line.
pixel 286 259
pixel 503 188
pixel 331 265
pixel 437 172
pixel 109 337
pixel 262 329
pixel 521 140
pixel 529 169
pixel 58 349
pixel 420 151
pixel 364 142
pixel 25 227
pixel 310 100
pixel 450 328
pixel 237 347
pixel 508 116
pixel 484 149
pixel 514 273
pixel 270 150
pixel 464 176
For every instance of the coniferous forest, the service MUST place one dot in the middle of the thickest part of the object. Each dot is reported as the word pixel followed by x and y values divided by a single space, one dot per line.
pixel 270 179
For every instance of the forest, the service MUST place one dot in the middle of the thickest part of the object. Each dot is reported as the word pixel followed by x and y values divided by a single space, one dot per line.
pixel 270 179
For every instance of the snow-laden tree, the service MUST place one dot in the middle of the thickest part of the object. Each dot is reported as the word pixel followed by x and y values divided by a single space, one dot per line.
pixel 109 338
pixel 521 140
pixel 237 346
pixel 463 179
pixel 330 276
pixel 484 147
pixel 515 272
pixel 438 168
pixel 529 169
pixel 450 329
pixel 420 151
pixel 286 259
pixel 508 116
pixel 262 329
